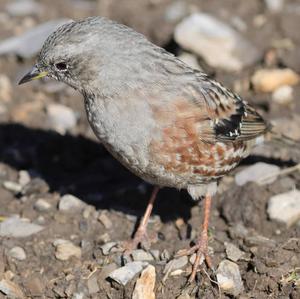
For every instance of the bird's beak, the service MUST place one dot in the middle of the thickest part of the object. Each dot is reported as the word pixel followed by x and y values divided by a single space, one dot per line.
pixel 33 75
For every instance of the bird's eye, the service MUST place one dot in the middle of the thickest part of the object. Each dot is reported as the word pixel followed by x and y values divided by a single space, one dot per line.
pixel 61 66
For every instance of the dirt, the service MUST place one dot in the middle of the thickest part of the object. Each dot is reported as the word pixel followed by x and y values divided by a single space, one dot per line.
pixel 76 163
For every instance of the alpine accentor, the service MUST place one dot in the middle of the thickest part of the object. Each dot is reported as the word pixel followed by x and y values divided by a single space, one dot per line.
pixel 167 123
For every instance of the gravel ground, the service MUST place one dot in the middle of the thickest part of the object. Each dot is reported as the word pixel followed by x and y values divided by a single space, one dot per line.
pixel 65 203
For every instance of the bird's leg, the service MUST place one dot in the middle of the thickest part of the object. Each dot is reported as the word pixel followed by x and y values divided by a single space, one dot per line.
pixel 141 233
pixel 201 248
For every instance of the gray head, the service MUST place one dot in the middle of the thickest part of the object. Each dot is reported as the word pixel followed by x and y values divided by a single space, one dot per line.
pixel 89 53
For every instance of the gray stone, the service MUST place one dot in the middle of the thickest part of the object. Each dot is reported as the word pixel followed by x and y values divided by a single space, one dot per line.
pixel 23 8
pixel 70 203
pixel 108 247
pixel 141 255
pixel 11 289
pixel 260 173
pixel 61 118
pixel 233 253
pixel 285 207
pixel 17 253
pixel 42 205
pixel 205 35
pixel 92 285
pixel 124 274
pixel 176 264
pixel 18 228
pixel 229 278
pixel 30 43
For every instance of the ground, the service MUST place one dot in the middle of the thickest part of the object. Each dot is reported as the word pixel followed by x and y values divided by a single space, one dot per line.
pixel 76 163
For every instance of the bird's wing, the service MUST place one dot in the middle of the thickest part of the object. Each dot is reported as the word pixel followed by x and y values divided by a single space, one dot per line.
pixel 230 118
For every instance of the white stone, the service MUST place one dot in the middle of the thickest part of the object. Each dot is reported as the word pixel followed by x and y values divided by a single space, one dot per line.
pixel 23 8
pixel 61 118
pixel 274 5
pixel 18 228
pixel 190 60
pixel 65 249
pixel 124 274
pixel 260 173
pixel 17 253
pixel 29 44
pixel 5 89
pixel 229 278
pixel 12 186
pixel 11 289
pixel 283 95
pixel 42 205
pixel 24 177
pixel 219 44
pixel 144 287
pixel 70 203
pixel 285 207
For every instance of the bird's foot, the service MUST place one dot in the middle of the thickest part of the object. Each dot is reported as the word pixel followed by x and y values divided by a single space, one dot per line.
pixel 201 250
pixel 140 239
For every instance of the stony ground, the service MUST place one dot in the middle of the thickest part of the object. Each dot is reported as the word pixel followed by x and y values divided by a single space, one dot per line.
pixel 65 203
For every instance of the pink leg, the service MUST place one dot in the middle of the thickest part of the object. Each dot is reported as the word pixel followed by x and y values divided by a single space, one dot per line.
pixel 141 233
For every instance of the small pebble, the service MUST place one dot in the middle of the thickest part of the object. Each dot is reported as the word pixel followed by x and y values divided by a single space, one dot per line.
pixel 124 274
pixel 233 253
pixel 268 80
pixel 61 118
pixel 17 253
pixel 65 249
pixel 35 186
pixel 283 95
pixel 5 89
pixel 11 289
pixel 144 287
pixel 12 186
pixel 42 205
pixel 256 173
pixel 70 203
pixel 18 228
pixel 141 255
pixel 104 219
pixel 92 285
pixel 274 5
pixel 24 177
pixel 229 278
pixel 285 207
pixel 176 264
pixel 108 248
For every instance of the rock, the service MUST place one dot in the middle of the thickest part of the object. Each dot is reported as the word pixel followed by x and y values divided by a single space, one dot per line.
pixel 103 218
pixel 258 240
pixel 23 8
pixel 61 118
pixel 233 253
pixel 42 205
pixel 283 95
pixel 190 60
pixel 141 255
pixel 144 287
pixel 274 5
pixel 35 285
pixel 205 35
pixel 24 178
pixel 5 89
pixel 18 228
pixel 107 269
pixel 35 186
pixel 268 80
pixel 176 264
pixel 229 278
pixel 30 43
pixel 70 203
pixel 256 173
pixel 65 249
pixel 176 11
pixel 108 247
pixel 17 253
pixel 11 289
pixel 124 274
pixel 92 285
pixel 285 207
pixel 12 186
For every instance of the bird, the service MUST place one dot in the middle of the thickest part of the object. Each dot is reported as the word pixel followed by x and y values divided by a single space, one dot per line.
pixel 169 124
